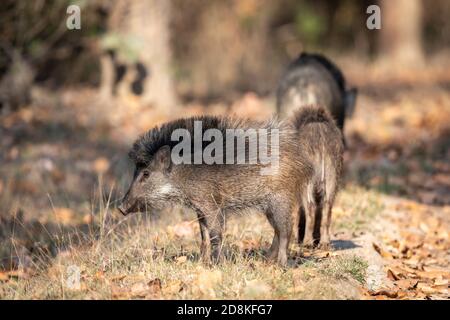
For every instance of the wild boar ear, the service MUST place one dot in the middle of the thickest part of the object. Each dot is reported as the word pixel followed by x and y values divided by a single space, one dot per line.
pixel 162 158
pixel 350 101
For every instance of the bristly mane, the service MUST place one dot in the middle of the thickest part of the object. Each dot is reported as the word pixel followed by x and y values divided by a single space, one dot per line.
pixel 145 147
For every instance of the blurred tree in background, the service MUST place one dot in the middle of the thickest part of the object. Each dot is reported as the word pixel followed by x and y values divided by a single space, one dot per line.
pixel 157 50
pixel 138 53
pixel 401 32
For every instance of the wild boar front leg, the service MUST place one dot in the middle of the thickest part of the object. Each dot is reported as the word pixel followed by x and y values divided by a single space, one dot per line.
pixel 274 247
pixel 216 223
pixel 273 251
pixel 281 214
pixel 285 235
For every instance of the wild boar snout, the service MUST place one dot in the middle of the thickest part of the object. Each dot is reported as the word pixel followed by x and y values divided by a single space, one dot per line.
pixel 125 207
pixel 122 209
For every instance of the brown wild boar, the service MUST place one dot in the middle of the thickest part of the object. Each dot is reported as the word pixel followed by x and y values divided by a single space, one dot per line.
pixel 215 190
pixel 321 142
pixel 312 79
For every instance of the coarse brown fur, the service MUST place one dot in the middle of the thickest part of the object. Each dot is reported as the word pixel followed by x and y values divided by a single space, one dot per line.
pixel 213 191
pixel 321 142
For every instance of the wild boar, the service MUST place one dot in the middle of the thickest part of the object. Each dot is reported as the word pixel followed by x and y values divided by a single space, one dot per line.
pixel 312 79
pixel 215 189
pixel 321 142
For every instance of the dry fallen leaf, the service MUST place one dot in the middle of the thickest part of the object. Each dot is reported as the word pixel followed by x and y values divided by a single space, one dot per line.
pixel 445 272
pixel 402 295
pixel 406 284
pixel 391 275
pixel 154 287
pixel 442 289
pixel 425 287
pixel 174 287
pixel 382 252
pixel 432 274
pixel 390 293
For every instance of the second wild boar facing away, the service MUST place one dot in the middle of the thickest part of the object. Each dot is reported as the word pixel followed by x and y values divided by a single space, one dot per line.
pixel 214 191
pixel 321 142
pixel 312 79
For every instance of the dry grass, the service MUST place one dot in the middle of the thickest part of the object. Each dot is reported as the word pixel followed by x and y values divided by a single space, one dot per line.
pixel 145 256
pixel 54 156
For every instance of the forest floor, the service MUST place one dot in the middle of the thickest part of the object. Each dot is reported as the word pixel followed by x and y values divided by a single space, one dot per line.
pixel 63 166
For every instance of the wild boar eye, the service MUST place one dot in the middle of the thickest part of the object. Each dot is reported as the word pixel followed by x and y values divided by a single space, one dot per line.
pixel 145 174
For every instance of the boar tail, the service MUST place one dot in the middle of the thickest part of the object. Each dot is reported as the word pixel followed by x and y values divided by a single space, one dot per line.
pixel 320 180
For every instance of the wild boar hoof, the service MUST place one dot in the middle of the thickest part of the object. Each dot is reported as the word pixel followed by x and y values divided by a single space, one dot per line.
pixel 271 255
pixel 282 260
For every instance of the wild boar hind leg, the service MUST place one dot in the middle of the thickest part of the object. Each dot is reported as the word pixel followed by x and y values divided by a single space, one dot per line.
pixel 280 214
pixel 325 226
pixel 310 207
pixel 205 248
pixel 212 225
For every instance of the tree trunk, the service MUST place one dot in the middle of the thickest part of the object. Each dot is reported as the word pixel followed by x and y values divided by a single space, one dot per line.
pixel 143 26
pixel 149 21
pixel 107 76
pixel 401 31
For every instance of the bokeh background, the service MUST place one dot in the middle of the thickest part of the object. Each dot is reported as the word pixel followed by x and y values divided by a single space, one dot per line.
pixel 196 50
pixel 73 101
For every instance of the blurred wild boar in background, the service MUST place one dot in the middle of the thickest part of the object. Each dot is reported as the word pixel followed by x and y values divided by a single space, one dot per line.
pixel 312 79
pixel 321 141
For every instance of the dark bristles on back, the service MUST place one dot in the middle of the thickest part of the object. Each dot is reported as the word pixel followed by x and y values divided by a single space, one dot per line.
pixel 144 148
pixel 310 114
pixel 306 58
